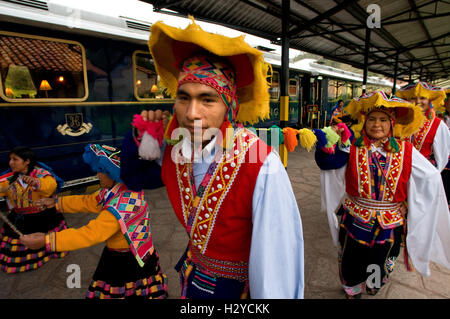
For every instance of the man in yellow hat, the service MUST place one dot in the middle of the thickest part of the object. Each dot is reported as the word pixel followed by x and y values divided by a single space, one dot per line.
pixel 227 187
pixel 433 138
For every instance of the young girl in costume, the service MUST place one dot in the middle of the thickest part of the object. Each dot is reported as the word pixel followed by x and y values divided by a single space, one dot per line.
pixel 384 178
pixel 26 183
pixel 129 265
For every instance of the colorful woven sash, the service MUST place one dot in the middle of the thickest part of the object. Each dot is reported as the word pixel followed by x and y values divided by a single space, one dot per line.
pixel 133 215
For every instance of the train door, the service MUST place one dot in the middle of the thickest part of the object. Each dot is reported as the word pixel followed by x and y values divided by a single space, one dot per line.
pixel 314 108
pixel 294 101
pixel 306 98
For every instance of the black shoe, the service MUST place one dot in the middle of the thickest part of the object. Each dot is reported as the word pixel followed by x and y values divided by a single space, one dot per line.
pixel 372 291
pixel 357 296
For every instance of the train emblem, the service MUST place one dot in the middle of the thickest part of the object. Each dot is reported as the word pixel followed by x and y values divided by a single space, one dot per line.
pixel 75 125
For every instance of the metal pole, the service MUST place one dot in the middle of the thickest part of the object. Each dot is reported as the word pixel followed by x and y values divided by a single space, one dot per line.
pixel 301 116
pixel 410 72
pixel 366 59
pixel 284 81
pixel 394 86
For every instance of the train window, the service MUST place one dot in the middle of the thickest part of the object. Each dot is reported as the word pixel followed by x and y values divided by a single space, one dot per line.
pixel 357 90
pixel 37 69
pixel 348 93
pixel 293 87
pixel 146 80
pixel 274 89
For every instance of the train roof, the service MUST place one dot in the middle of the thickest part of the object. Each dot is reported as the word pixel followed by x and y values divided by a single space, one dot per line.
pixel 132 23
pixel 61 17
pixel 311 66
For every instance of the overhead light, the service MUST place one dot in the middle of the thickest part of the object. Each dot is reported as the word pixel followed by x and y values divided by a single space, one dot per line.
pixel 259 4
pixel 168 11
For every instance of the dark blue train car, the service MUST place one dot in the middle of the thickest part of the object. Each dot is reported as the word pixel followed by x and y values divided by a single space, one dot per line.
pixel 62 89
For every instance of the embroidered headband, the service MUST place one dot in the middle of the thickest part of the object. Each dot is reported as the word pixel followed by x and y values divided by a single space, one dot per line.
pixel 103 159
pixel 216 73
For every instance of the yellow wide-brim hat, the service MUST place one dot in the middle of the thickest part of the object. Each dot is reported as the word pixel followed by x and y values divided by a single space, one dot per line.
pixel 170 46
pixel 435 94
pixel 408 116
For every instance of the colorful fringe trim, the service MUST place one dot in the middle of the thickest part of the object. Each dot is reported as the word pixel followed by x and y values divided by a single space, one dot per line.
pixel 153 287
pixel 30 261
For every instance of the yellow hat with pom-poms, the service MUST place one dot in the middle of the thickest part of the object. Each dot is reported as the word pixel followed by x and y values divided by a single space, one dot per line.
pixel 435 94
pixel 170 46
pixel 408 116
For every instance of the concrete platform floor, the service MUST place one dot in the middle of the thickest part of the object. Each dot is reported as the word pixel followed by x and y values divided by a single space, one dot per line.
pixel 170 239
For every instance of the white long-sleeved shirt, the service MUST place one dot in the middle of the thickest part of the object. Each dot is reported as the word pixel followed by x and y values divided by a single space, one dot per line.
pixel 441 146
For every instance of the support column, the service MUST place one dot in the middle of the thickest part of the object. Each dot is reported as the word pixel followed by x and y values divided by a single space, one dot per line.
pixel 366 60
pixel 394 86
pixel 410 72
pixel 284 79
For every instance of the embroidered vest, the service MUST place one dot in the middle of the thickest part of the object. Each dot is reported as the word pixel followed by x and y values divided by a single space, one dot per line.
pixel 131 211
pixel 358 181
pixel 423 140
pixel 221 224
pixel 22 198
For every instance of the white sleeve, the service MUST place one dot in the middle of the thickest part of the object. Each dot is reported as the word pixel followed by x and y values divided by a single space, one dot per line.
pixel 332 186
pixel 276 266
pixel 428 237
pixel 441 146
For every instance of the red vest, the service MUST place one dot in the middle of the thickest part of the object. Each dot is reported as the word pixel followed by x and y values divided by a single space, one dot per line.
pixel 221 231
pixel 358 185
pixel 423 140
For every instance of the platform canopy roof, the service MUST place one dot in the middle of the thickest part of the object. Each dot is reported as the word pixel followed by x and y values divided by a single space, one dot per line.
pixel 418 31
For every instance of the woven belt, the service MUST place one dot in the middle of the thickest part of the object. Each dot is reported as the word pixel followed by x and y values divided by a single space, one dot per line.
pixel 220 268
pixel 27 210
pixel 119 250
pixel 374 204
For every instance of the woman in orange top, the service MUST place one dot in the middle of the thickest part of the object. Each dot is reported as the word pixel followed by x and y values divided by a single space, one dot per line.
pixel 23 186
pixel 129 265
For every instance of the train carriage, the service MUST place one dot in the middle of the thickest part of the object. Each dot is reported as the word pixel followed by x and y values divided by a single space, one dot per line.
pixel 61 89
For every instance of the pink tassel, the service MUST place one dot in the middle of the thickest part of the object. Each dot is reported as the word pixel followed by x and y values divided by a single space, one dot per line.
pixel 329 150
pixel 154 129
pixel 345 135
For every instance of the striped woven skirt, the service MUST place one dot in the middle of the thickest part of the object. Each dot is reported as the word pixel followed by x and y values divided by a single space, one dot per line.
pixel 365 249
pixel 119 276
pixel 15 257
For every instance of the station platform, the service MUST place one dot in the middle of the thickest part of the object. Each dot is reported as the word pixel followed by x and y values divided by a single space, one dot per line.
pixel 170 240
